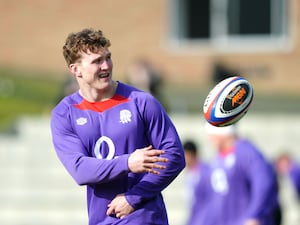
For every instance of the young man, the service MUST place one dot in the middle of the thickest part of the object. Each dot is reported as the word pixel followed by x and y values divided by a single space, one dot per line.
pixel 241 186
pixel 191 153
pixel 196 170
pixel 287 166
pixel 114 138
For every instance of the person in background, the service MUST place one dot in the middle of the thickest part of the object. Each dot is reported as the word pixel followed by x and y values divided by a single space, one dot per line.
pixel 195 172
pixel 69 86
pixel 143 74
pixel 191 153
pixel 288 167
pixel 222 71
pixel 114 138
pixel 241 187
pixel 288 172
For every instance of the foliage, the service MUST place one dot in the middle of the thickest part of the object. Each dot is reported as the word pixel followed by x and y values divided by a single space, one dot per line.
pixel 26 92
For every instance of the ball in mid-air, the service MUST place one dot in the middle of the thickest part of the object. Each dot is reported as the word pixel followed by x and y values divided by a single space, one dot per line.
pixel 228 101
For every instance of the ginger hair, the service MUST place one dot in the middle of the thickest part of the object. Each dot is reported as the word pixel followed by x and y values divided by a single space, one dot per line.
pixel 83 41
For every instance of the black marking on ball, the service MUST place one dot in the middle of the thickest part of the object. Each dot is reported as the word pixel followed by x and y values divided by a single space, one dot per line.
pixel 235 98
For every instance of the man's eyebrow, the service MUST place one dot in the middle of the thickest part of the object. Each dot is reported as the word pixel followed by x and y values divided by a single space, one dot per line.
pixel 101 56
pixel 98 58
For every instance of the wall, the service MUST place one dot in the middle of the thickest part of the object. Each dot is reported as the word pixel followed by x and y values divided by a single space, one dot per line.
pixel 33 33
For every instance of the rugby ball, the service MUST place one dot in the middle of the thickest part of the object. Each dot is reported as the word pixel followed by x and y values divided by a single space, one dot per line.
pixel 228 101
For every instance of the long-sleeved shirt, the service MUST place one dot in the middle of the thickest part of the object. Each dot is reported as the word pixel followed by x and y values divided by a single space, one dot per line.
pixel 238 186
pixel 294 175
pixel 93 140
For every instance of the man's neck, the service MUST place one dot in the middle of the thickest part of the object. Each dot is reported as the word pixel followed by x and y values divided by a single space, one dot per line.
pixel 98 95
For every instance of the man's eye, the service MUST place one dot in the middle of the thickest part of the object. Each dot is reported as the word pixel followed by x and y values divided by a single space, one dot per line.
pixel 97 61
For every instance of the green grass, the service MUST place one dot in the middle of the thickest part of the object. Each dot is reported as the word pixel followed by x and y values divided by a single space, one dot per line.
pixel 191 99
pixel 26 92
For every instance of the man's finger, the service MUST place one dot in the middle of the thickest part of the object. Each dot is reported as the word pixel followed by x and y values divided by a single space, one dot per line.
pixel 109 211
pixel 155 159
pixel 154 152
pixel 153 171
pixel 154 166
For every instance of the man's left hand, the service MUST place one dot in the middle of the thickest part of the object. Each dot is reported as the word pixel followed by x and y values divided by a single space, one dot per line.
pixel 119 206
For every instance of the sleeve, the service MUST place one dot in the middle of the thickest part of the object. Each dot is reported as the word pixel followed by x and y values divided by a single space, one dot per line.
pixel 263 184
pixel 75 158
pixel 162 134
pixel 295 178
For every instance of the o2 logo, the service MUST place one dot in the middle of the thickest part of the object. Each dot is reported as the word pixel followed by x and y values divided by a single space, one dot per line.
pixel 111 148
pixel 219 181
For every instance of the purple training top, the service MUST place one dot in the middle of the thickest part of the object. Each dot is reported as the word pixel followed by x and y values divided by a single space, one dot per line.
pixel 93 140
pixel 294 174
pixel 239 186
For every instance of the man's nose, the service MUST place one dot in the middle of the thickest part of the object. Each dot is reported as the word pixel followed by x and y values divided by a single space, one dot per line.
pixel 105 65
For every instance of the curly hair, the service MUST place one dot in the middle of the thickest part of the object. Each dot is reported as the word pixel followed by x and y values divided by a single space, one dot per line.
pixel 83 41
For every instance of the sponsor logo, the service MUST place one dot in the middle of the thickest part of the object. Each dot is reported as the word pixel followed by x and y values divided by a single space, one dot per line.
pixel 219 181
pixel 235 98
pixel 81 121
pixel 111 148
pixel 238 96
pixel 125 116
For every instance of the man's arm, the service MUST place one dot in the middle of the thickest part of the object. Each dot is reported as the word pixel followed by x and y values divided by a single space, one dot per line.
pixel 77 161
pixel 142 160
pixel 162 135
pixel 263 184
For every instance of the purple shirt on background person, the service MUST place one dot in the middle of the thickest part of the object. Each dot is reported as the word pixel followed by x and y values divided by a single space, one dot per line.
pixel 94 141
pixel 238 186
pixel 294 174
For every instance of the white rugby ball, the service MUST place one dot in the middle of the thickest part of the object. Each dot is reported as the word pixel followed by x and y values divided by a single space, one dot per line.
pixel 228 101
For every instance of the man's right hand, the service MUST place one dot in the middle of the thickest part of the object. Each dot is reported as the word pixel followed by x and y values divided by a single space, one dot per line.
pixel 146 160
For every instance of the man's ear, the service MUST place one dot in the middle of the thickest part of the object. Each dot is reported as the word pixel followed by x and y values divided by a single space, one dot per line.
pixel 74 69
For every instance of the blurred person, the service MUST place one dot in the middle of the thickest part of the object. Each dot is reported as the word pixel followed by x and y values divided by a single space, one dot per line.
pixel 221 71
pixel 241 186
pixel 114 138
pixel 288 171
pixel 288 167
pixel 143 74
pixel 69 86
pixel 191 153
pixel 195 172
pixel 193 165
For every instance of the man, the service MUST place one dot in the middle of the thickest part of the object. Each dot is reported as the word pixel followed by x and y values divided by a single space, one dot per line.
pixel 196 172
pixel 287 166
pixel 288 173
pixel 241 187
pixel 114 138
pixel 193 165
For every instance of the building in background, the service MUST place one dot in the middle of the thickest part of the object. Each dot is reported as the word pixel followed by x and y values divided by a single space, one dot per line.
pixel 185 37
pixel 259 38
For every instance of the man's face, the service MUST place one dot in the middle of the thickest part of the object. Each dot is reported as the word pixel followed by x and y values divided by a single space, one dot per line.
pixel 190 159
pixel 93 69
pixel 217 140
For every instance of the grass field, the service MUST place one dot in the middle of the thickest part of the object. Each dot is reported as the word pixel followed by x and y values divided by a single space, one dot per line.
pixel 191 100
pixel 25 92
